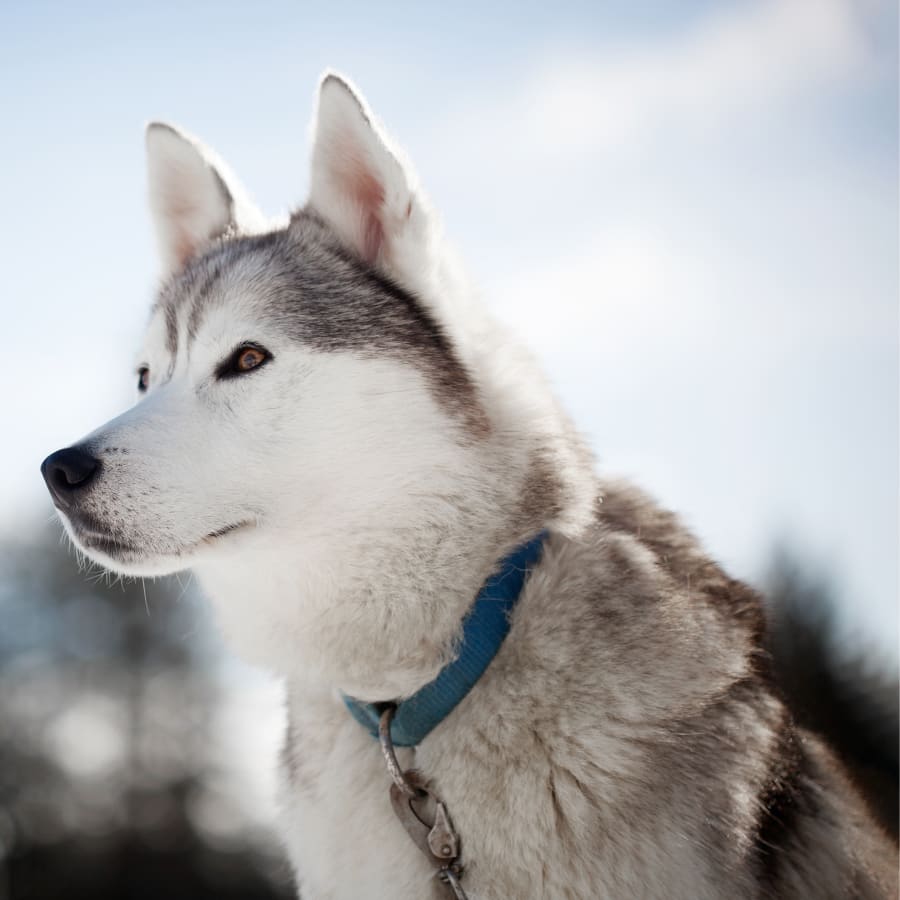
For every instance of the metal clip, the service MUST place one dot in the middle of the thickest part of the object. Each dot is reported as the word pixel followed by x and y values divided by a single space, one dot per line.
pixel 422 814
pixel 436 839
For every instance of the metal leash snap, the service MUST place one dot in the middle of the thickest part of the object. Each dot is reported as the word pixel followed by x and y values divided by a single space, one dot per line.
pixel 436 839
pixel 422 814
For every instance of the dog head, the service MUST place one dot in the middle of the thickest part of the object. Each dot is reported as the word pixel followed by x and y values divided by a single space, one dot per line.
pixel 320 391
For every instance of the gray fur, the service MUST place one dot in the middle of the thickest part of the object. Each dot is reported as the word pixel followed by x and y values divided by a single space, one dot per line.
pixel 326 299
pixel 627 741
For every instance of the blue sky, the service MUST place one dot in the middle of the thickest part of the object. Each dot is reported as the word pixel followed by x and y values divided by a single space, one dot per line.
pixel 689 210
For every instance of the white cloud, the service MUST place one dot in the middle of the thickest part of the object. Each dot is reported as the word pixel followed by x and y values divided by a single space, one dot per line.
pixel 616 289
pixel 755 55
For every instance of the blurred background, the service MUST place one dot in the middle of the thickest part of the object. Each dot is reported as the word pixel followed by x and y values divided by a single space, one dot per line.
pixel 690 211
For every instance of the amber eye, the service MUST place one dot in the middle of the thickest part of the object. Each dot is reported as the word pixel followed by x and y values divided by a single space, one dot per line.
pixel 249 358
pixel 143 378
pixel 245 359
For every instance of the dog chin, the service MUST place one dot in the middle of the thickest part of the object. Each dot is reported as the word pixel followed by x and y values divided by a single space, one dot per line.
pixel 124 559
pixel 127 558
pixel 136 565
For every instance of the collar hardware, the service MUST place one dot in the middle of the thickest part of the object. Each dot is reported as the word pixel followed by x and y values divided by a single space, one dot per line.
pixel 420 811
pixel 422 814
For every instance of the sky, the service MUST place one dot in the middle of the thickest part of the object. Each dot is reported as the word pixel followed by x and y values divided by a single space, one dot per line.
pixel 690 211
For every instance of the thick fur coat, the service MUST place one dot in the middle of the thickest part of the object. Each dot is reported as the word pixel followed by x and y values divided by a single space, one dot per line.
pixel 340 442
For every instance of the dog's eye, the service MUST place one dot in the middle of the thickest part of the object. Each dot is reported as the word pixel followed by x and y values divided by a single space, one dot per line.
pixel 249 358
pixel 143 378
pixel 245 359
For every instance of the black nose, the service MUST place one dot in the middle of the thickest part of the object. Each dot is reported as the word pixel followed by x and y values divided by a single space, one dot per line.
pixel 67 472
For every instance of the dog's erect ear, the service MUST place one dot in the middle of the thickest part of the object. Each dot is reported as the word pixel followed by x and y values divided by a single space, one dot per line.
pixel 359 185
pixel 193 196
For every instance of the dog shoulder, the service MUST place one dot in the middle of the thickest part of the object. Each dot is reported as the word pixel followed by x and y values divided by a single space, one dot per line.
pixel 643 660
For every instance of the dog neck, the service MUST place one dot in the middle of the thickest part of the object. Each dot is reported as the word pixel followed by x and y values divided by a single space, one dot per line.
pixel 483 630
pixel 375 618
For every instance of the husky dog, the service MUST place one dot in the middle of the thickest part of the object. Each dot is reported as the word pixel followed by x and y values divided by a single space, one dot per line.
pixel 344 447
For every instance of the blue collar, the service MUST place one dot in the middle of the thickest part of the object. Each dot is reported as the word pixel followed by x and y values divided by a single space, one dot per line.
pixel 483 630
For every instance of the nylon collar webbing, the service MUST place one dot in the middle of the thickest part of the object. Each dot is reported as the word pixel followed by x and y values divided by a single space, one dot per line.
pixel 483 631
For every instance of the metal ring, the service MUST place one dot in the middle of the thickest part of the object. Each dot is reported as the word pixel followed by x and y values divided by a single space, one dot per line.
pixel 390 757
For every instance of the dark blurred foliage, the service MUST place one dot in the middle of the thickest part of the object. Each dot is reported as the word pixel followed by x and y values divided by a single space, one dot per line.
pixel 109 784
pixel 835 686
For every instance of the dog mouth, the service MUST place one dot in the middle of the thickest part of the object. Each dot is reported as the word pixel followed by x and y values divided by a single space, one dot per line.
pixel 109 545
pixel 227 529
pixel 93 537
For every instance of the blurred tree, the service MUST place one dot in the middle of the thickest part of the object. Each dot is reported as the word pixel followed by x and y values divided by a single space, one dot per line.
pixel 109 785
pixel 845 694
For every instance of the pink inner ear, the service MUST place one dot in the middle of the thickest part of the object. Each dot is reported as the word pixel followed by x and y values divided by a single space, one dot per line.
pixel 367 195
pixel 184 248
pixel 179 210
pixel 372 239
